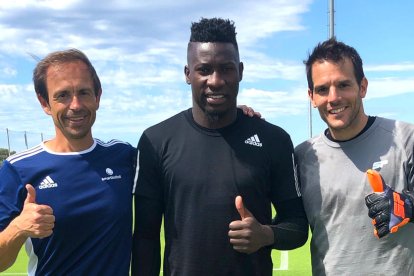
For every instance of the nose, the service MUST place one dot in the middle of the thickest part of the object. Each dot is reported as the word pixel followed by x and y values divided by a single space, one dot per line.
pixel 215 80
pixel 333 95
pixel 75 103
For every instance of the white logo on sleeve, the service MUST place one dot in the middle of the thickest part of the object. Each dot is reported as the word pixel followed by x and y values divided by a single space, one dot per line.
pixel 254 141
pixel 48 183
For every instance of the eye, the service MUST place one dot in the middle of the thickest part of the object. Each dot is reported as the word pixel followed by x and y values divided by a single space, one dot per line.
pixel 86 92
pixel 321 90
pixel 343 85
pixel 61 95
pixel 228 68
pixel 204 70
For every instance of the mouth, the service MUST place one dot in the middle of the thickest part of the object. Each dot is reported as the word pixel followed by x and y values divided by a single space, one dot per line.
pixel 76 121
pixel 336 111
pixel 215 98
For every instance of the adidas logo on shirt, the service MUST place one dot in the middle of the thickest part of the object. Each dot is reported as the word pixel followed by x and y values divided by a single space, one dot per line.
pixel 48 183
pixel 254 141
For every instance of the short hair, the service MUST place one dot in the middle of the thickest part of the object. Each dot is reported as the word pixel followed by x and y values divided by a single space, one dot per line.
pixel 214 30
pixel 336 51
pixel 59 57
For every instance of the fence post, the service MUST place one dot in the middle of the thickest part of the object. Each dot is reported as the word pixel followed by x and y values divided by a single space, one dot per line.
pixel 25 140
pixel 8 141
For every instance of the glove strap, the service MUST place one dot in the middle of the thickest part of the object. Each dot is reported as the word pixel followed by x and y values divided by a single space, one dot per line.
pixel 409 212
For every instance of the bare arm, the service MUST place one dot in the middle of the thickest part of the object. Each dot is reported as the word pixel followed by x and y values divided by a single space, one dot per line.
pixel 11 240
pixel 35 221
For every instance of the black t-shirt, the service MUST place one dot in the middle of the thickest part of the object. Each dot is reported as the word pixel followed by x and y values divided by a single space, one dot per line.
pixel 192 175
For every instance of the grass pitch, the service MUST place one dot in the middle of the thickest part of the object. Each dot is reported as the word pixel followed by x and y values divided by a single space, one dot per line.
pixel 287 263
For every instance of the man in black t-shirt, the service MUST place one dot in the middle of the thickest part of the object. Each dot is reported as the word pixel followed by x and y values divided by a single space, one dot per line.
pixel 214 174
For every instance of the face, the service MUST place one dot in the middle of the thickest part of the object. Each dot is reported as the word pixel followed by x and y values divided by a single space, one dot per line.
pixel 72 101
pixel 338 97
pixel 214 72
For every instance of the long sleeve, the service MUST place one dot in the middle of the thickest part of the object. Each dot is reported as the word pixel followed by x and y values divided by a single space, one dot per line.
pixel 146 247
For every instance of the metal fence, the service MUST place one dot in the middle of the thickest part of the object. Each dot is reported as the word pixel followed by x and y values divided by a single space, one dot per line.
pixel 16 141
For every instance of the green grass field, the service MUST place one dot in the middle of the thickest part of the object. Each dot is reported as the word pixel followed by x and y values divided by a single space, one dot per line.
pixel 285 263
pixel 292 263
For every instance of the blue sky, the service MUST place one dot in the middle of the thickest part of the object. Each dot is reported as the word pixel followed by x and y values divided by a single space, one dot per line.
pixel 139 51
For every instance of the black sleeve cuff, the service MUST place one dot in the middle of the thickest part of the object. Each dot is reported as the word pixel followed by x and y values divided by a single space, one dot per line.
pixel 290 234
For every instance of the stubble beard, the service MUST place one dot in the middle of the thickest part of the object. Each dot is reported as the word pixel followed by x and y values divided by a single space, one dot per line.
pixel 213 116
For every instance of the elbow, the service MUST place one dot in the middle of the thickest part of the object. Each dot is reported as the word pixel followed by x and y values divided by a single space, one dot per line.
pixel 290 235
pixel 289 240
pixel 5 264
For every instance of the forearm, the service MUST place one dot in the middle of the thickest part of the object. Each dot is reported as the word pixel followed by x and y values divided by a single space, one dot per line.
pixel 11 240
pixel 146 259
pixel 290 234
pixel 410 196
pixel 290 226
pixel 146 249
pixel 268 237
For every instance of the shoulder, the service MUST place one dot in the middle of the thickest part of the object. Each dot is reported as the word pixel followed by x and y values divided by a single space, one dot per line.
pixel 309 145
pixel 168 123
pixel 25 155
pixel 112 143
pixel 399 129
pixel 266 128
pixel 115 145
pixel 273 140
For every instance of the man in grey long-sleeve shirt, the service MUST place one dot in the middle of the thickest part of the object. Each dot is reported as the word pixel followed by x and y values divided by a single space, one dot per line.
pixel 332 169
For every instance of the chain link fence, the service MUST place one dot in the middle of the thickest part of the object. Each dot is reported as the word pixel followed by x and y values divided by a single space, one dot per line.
pixel 17 141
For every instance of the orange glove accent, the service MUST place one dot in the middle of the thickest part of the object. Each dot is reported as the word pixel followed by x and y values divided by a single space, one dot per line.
pixel 389 210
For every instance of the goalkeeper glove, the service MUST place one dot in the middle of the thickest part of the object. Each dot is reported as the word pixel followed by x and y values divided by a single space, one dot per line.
pixel 388 209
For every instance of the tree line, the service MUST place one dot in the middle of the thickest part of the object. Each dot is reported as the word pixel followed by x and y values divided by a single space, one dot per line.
pixel 4 153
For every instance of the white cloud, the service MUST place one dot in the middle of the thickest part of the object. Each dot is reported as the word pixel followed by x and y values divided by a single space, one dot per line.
pixel 399 67
pixel 259 67
pixel 8 72
pixel 388 87
pixel 139 50
pixel 272 104
pixel 134 26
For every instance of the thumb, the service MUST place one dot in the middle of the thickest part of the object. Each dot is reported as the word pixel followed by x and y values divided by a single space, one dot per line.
pixel 243 211
pixel 375 180
pixel 31 194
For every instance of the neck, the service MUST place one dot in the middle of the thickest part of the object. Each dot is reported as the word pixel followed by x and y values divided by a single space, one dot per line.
pixel 214 121
pixel 350 132
pixel 65 144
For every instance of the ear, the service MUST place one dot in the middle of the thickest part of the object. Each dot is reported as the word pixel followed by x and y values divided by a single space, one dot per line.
pixel 241 68
pixel 363 87
pixel 187 74
pixel 310 95
pixel 98 98
pixel 44 103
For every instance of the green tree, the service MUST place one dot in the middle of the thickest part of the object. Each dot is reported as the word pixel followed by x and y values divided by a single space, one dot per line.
pixel 4 153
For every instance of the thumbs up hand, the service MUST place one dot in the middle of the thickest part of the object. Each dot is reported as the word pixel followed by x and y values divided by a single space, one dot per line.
pixel 31 194
pixel 388 209
pixel 248 235
pixel 35 220
pixel 243 212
